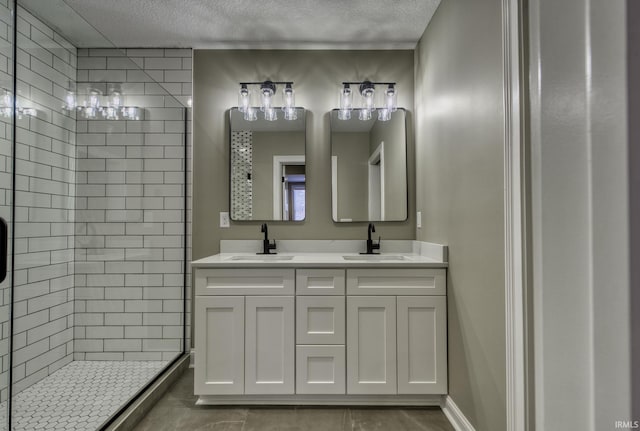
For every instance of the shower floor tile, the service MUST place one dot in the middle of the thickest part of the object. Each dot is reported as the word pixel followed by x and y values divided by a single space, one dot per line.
pixel 81 395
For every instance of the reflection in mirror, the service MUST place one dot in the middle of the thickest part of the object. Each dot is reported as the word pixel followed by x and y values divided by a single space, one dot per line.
pixel 369 168
pixel 268 175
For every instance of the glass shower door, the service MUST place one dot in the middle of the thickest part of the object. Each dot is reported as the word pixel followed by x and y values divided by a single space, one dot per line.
pixel 6 196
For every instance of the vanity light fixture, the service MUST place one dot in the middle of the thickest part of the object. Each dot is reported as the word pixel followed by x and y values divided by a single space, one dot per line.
pixel 94 105
pixel 267 93
pixel 368 106
pixel 7 109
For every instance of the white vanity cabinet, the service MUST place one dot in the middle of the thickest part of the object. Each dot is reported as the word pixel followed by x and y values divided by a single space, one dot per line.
pixel 245 337
pixel 344 335
pixel 396 343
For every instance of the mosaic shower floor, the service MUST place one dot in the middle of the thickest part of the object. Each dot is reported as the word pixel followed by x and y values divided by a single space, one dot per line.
pixel 79 396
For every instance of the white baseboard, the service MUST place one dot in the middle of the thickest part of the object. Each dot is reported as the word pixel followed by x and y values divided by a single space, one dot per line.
pixel 455 415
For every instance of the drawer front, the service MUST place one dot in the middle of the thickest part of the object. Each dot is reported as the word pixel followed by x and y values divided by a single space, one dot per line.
pixel 320 281
pixel 320 320
pixel 320 370
pixel 390 281
pixel 253 281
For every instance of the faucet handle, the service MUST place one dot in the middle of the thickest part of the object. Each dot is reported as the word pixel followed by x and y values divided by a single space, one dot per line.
pixel 272 246
pixel 377 246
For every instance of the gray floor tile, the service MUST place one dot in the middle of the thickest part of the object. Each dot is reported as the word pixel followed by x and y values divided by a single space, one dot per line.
pixel 176 410
pixel 295 419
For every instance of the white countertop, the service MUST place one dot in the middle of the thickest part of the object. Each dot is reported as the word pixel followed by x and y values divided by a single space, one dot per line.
pixel 317 260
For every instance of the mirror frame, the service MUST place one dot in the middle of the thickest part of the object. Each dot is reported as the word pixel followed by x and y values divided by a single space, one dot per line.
pixel 230 165
pixel 406 149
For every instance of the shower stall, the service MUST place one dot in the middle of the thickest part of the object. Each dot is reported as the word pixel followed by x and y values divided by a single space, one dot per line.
pixel 94 192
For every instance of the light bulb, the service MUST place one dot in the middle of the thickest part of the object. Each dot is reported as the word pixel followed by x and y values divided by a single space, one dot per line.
pixel 391 98
pixel 7 100
pixel 288 97
pixel 346 98
pixel 94 99
pixel 267 90
pixel 367 91
pixel 115 99
pixel 244 98
pixel 70 100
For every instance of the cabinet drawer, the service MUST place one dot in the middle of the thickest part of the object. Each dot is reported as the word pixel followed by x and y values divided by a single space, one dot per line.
pixel 320 281
pixel 320 320
pixel 396 281
pixel 254 281
pixel 320 370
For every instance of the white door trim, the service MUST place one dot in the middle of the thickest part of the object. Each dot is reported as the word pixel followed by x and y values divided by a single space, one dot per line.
pixel 377 157
pixel 334 188
pixel 278 162
pixel 513 216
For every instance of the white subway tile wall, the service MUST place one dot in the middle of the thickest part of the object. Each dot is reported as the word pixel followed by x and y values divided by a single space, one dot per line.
pixel 45 202
pixel 6 73
pixel 129 209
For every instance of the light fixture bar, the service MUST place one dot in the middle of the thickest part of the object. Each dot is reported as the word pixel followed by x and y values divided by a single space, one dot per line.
pixel 267 91
pixel 367 91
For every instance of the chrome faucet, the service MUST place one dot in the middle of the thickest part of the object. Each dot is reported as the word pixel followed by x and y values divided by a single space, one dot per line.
pixel 370 245
pixel 267 246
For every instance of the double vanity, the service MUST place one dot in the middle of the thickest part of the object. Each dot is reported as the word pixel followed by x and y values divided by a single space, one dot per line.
pixel 321 327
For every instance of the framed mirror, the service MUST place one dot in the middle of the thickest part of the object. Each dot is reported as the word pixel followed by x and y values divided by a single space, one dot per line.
pixel 267 168
pixel 369 168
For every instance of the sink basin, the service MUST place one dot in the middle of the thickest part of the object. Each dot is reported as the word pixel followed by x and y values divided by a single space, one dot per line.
pixel 261 257
pixel 375 257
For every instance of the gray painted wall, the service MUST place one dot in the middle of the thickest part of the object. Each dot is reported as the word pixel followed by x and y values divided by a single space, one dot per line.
pixel 317 76
pixel 352 151
pixel 459 189
pixel 392 133
pixel 265 146
pixel 633 76
pixel 581 210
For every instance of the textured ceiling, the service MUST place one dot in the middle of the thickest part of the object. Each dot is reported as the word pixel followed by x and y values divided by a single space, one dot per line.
pixel 252 23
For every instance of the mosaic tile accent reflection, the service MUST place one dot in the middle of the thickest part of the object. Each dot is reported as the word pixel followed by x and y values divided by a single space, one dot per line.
pixel 80 396
pixel 241 182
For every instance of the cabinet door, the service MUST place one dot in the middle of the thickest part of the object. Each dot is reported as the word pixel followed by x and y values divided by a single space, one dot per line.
pixel 320 370
pixel 219 363
pixel 371 345
pixel 270 345
pixel 422 345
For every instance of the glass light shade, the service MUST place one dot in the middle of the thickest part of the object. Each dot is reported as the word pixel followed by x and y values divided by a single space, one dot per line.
pixel 391 99
pixel 288 97
pixel 111 113
pixel 267 97
pixel 290 114
pixel 344 114
pixel 384 114
pixel 244 99
pixel 270 114
pixel 364 114
pixel 7 100
pixel 115 99
pixel 94 99
pixel 368 102
pixel 70 100
pixel 346 99
pixel 250 114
